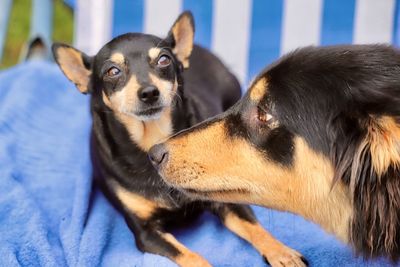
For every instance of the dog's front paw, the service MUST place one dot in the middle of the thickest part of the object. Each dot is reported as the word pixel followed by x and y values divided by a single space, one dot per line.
pixel 192 260
pixel 285 256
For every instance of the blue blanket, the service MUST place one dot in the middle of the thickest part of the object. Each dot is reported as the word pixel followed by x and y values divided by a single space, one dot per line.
pixel 51 216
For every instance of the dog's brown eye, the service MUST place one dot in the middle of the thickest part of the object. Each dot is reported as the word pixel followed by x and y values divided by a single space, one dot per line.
pixel 163 61
pixel 113 71
pixel 264 116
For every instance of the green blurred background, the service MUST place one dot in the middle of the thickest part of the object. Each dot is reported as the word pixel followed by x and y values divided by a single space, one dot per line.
pixel 19 27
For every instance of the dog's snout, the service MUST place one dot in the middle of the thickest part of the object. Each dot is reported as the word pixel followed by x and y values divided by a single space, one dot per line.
pixel 158 155
pixel 149 94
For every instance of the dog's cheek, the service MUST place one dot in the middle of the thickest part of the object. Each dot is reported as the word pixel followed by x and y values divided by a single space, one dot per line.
pixel 167 73
pixel 120 101
pixel 126 97
pixel 278 146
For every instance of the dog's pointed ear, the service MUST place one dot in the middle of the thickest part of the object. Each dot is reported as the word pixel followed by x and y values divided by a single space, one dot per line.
pixel 75 65
pixel 181 35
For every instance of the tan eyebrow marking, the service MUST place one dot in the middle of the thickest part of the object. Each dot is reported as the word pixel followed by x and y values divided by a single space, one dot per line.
pixel 118 58
pixel 154 52
pixel 257 91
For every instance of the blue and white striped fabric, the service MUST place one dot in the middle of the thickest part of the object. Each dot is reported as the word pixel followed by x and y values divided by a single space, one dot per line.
pixel 50 215
pixel 247 35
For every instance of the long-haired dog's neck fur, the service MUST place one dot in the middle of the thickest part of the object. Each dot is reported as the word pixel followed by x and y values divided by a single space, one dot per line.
pixel 365 149
pixel 368 162
pixel 320 129
pixel 363 135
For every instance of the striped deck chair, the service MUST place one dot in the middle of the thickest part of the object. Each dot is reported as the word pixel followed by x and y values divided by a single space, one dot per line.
pixel 49 213
pixel 247 35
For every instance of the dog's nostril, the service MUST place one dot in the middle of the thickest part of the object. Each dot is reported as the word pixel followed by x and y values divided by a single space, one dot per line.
pixel 158 155
pixel 156 93
pixel 149 94
pixel 144 95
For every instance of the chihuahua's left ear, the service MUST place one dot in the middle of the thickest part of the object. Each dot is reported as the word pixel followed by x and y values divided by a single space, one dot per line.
pixel 181 35
pixel 75 64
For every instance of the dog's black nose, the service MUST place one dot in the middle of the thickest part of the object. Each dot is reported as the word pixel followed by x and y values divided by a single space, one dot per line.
pixel 158 155
pixel 149 94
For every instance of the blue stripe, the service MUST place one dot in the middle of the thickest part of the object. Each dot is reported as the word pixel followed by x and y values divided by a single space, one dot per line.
pixel 337 22
pixel 71 3
pixel 396 26
pixel 265 36
pixel 128 16
pixel 202 12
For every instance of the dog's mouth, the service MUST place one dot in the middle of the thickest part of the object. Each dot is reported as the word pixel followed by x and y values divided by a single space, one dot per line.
pixel 149 111
pixel 215 192
pixel 149 114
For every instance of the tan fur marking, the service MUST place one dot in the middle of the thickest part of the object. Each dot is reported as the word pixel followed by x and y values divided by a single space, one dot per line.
pixel 118 58
pixel 384 140
pixel 264 242
pixel 167 89
pixel 153 53
pixel 124 100
pixel 183 35
pixel 107 101
pixel 304 188
pixel 145 134
pixel 71 63
pixel 187 258
pixel 257 91
pixel 140 206
pixel 315 199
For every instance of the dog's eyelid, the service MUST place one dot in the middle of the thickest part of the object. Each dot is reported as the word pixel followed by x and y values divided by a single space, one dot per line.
pixel 112 72
pixel 163 60
pixel 165 50
pixel 109 65
pixel 263 115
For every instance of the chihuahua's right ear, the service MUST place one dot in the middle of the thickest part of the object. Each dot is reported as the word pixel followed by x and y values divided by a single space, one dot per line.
pixel 181 35
pixel 75 64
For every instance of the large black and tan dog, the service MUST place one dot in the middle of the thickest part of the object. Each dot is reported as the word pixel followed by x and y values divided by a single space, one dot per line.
pixel 317 134
pixel 136 84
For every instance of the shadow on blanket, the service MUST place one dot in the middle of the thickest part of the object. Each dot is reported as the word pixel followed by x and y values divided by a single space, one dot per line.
pixel 50 216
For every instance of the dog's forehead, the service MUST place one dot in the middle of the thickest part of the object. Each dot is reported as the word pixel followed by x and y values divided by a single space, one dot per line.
pixel 135 46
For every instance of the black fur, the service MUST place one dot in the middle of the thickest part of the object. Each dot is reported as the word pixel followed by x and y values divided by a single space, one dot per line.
pixel 331 97
pixel 328 96
pixel 279 146
pixel 205 89
pixel 120 159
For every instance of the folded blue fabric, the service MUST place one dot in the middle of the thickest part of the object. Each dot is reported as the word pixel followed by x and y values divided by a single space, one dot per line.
pixel 51 216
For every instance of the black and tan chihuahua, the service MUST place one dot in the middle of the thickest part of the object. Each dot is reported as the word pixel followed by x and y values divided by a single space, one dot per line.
pixel 142 91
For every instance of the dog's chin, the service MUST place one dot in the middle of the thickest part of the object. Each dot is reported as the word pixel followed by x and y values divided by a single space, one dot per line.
pixel 220 194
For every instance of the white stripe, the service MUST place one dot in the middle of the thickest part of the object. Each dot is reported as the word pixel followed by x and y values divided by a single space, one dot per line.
pixel 301 24
pixel 159 15
pixel 373 21
pixel 231 33
pixel 5 10
pixel 93 24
